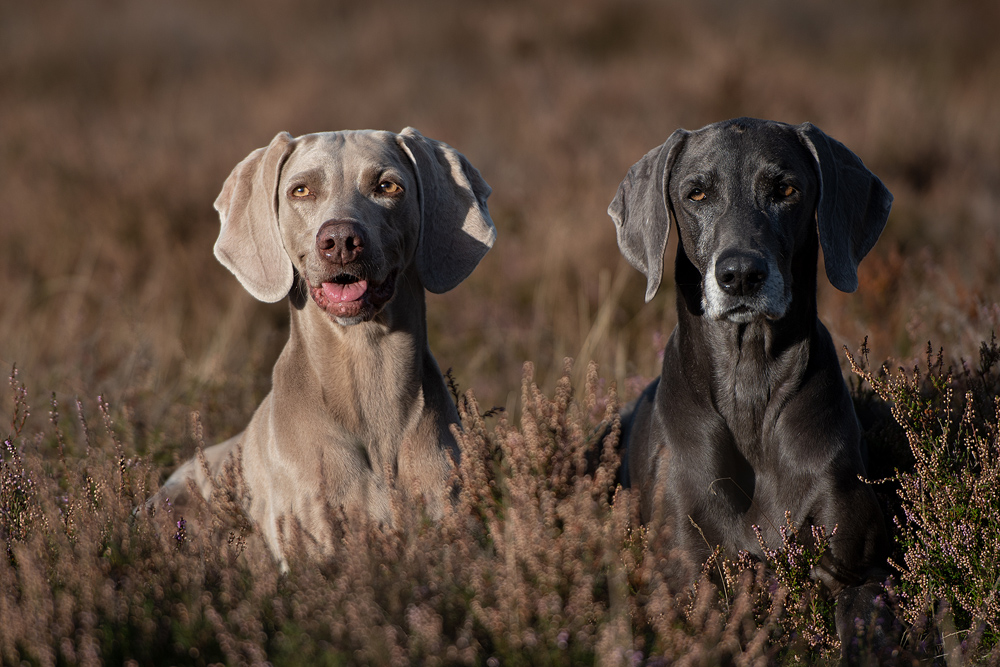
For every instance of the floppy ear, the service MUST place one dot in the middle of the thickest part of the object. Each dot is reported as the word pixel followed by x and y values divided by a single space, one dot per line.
pixel 852 210
pixel 249 242
pixel 641 211
pixel 455 226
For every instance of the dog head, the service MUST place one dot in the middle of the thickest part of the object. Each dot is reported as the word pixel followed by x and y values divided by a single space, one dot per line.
pixel 348 212
pixel 744 195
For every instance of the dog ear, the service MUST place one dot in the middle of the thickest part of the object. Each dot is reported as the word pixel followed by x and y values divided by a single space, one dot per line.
pixel 852 210
pixel 641 210
pixel 249 242
pixel 456 230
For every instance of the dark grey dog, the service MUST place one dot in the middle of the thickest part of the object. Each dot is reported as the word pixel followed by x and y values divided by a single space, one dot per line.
pixel 751 416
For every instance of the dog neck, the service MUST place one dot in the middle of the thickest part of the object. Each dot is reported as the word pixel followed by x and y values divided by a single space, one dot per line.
pixel 746 368
pixel 369 376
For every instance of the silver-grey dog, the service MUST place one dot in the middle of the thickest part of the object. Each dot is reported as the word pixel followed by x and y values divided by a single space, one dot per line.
pixel 751 417
pixel 352 227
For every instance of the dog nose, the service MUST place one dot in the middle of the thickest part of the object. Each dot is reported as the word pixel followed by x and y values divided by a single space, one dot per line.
pixel 740 274
pixel 340 241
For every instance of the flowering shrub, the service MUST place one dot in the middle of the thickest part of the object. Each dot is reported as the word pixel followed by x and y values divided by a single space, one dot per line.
pixel 540 559
pixel 948 527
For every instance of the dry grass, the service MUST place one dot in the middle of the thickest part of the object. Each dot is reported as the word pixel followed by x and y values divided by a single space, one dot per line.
pixel 119 122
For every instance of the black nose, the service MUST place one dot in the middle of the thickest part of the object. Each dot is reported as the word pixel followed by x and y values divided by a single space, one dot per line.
pixel 340 241
pixel 739 273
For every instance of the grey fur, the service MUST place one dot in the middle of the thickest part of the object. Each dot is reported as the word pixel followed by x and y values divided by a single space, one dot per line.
pixel 751 416
pixel 358 403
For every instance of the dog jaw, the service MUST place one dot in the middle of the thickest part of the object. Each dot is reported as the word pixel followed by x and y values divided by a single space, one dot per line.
pixel 350 300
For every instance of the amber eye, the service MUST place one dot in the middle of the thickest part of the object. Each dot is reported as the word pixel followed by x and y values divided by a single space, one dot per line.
pixel 697 195
pixel 301 191
pixel 390 188
pixel 785 191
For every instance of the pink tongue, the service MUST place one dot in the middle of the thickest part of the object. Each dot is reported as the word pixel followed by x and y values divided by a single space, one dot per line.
pixel 338 293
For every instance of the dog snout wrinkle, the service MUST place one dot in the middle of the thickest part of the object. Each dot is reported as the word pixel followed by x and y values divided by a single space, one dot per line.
pixel 340 241
pixel 740 274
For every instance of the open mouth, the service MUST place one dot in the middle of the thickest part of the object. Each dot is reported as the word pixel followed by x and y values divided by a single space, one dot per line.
pixel 348 296
pixel 344 288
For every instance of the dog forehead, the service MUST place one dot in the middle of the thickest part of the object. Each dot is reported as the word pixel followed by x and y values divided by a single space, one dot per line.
pixel 743 147
pixel 344 152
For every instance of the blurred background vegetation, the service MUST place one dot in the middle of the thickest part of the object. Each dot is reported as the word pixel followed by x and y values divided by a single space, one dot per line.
pixel 119 122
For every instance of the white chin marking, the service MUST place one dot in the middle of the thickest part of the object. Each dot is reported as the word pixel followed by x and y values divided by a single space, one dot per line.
pixel 348 321
pixel 742 316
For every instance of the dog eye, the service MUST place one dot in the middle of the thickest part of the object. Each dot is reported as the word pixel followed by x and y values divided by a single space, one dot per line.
pixel 697 195
pixel 301 191
pixel 390 188
pixel 784 191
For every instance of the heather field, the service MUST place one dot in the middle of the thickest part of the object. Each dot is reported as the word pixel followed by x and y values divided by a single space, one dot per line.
pixel 127 345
